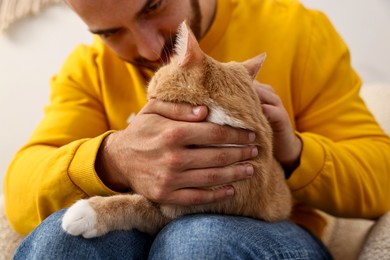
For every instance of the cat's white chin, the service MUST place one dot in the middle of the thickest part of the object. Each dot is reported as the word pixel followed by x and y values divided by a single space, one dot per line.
pixel 80 219
pixel 220 116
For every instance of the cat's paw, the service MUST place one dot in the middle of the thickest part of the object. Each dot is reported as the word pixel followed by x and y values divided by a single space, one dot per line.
pixel 80 219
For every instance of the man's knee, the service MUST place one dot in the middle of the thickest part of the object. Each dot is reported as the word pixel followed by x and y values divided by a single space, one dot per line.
pixel 205 236
pixel 50 241
pixel 200 236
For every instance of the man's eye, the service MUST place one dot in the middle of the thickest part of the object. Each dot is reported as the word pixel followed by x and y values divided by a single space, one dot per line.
pixel 107 35
pixel 153 6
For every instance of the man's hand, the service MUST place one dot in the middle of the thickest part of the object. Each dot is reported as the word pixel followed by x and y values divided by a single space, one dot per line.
pixel 163 155
pixel 287 145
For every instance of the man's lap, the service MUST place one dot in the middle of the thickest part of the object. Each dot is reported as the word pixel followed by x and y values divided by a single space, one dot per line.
pixel 207 236
pixel 200 236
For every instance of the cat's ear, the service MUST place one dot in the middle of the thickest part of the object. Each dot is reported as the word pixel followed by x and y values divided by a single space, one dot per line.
pixel 187 48
pixel 254 64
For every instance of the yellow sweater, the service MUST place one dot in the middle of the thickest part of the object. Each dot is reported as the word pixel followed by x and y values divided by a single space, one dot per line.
pixel 345 166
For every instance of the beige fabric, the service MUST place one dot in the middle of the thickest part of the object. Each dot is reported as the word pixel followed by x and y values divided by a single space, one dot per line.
pixel 13 10
pixel 377 245
pixel 9 240
pixel 345 238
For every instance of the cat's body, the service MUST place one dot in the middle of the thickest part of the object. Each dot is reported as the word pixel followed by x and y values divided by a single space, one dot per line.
pixel 226 89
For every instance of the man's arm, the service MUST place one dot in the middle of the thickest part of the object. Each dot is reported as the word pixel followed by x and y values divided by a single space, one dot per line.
pixel 344 168
pixel 151 156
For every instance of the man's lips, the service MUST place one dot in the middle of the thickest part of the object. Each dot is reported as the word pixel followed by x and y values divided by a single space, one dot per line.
pixel 165 57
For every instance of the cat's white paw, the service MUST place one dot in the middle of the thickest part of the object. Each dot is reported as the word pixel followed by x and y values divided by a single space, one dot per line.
pixel 80 219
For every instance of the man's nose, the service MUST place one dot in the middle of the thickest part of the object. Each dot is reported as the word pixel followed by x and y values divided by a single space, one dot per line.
pixel 149 43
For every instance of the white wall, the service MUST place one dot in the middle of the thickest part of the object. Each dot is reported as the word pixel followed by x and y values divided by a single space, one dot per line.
pixel 365 26
pixel 30 54
pixel 33 50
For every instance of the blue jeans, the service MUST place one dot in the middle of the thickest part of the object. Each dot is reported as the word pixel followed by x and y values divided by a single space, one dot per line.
pixel 200 236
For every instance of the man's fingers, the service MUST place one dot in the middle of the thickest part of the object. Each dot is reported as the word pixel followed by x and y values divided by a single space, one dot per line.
pixel 196 134
pixel 267 94
pixel 175 111
pixel 212 177
pixel 189 197
pixel 210 157
pixel 263 86
pixel 210 134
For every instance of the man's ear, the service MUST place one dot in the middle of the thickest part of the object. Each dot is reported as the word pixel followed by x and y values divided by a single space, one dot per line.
pixel 187 48
pixel 254 64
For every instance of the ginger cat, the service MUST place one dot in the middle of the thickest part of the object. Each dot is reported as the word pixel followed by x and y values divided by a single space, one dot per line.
pixel 226 89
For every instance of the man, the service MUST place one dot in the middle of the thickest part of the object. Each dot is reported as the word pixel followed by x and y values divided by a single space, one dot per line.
pixel 333 152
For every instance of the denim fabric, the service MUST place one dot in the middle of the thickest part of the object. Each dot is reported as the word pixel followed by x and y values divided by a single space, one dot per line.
pixel 200 236
pixel 230 237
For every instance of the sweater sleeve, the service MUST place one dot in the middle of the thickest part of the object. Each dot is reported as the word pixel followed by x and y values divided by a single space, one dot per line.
pixel 345 166
pixel 56 166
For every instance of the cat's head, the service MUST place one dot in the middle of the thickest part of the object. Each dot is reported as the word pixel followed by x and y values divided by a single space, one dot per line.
pixel 193 76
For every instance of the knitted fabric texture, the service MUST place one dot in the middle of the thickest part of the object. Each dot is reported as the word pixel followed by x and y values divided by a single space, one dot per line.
pixel 14 10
